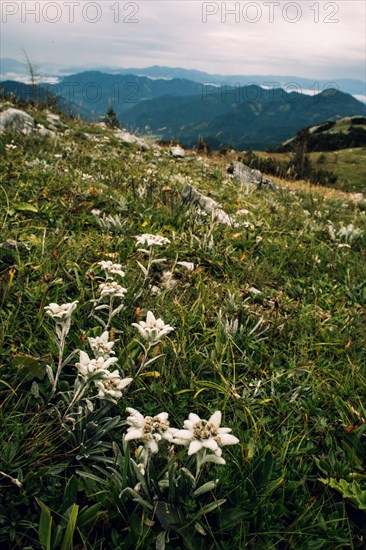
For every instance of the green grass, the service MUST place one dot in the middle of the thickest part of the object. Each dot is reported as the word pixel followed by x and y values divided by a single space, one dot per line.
pixel 349 165
pixel 291 382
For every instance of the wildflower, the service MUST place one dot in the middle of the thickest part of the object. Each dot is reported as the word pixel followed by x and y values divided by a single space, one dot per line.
pixel 61 314
pixel 96 212
pixel 110 267
pixel 112 289
pixel 101 346
pixel 152 329
pixel 150 430
pixel 111 386
pixel 200 435
pixel 88 367
pixel 151 240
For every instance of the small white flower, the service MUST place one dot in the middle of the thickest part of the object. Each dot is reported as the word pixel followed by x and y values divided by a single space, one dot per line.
pixel 110 267
pixel 112 386
pixel 10 146
pixel 101 346
pixel 112 289
pixel 149 430
pixel 152 329
pixel 200 435
pixel 96 212
pixel 61 313
pixel 88 367
pixel 151 240
pixel 188 265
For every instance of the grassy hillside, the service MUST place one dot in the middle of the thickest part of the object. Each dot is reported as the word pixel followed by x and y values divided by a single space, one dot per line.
pixel 269 329
pixel 349 165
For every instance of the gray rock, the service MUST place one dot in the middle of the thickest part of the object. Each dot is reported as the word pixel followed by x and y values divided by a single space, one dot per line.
pixel 195 198
pixel 53 119
pixel 45 132
pixel 177 152
pixel 126 137
pixel 247 175
pixel 15 120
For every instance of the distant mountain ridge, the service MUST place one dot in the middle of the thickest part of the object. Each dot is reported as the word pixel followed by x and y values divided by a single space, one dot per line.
pixel 260 119
pixel 9 66
pixel 242 116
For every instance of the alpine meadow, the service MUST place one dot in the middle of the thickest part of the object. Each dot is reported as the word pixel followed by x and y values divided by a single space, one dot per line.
pixel 182 346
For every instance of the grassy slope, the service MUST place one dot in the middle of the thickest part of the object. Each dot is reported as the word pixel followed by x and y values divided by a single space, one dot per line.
pixel 303 338
pixel 348 164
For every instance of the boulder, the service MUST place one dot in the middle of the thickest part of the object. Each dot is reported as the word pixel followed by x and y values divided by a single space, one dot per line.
pixel 126 137
pixel 247 175
pixel 53 119
pixel 15 120
pixel 195 198
pixel 177 152
pixel 45 132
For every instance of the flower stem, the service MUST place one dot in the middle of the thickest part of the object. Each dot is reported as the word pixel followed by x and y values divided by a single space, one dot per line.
pixel 142 366
pixel 61 347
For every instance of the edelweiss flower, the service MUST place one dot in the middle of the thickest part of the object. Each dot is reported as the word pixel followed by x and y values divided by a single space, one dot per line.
pixel 61 314
pixel 110 267
pixel 112 289
pixel 200 434
pixel 152 329
pixel 101 346
pixel 151 240
pixel 87 367
pixel 149 430
pixel 112 386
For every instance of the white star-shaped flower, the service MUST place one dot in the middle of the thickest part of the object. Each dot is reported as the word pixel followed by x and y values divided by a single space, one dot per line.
pixel 101 346
pixel 110 267
pixel 112 289
pixel 149 430
pixel 200 435
pixel 61 313
pixel 151 240
pixel 152 330
pixel 111 386
pixel 88 367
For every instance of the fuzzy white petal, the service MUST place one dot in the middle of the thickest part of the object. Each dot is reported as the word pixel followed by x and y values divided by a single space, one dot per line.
pixel 134 434
pixel 210 444
pixel 194 447
pixel 215 419
pixel 228 439
pixel 184 434
pixel 194 418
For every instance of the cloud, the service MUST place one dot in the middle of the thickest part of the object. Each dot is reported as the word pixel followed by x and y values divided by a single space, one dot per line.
pixel 311 39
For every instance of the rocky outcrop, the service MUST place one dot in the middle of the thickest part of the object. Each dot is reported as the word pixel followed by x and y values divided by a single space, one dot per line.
pixel 126 137
pixel 17 121
pixel 195 198
pixel 247 175
pixel 177 152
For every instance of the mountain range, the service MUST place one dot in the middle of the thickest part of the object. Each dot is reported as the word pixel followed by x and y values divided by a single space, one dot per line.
pixel 10 67
pixel 223 114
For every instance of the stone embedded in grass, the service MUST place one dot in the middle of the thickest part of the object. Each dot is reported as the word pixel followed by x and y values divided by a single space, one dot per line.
pixel 15 120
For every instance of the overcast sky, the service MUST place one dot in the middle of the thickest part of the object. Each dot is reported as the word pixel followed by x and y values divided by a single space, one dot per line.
pixel 314 39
